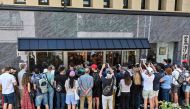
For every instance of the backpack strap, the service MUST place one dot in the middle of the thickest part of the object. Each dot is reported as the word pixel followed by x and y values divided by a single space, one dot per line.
pixel 48 81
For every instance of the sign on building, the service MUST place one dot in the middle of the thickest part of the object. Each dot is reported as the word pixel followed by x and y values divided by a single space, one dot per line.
pixel 185 47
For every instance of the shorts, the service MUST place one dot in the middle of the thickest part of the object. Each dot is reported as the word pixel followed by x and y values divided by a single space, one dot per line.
pixel 41 98
pixel 155 93
pixel 187 89
pixel 8 98
pixel 175 88
pixel 70 99
pixel 147 94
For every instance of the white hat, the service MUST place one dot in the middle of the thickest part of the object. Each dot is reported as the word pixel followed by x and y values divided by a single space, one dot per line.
pixel 150 70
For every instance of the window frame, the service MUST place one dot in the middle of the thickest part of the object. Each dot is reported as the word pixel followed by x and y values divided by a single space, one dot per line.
pixel 19 2
pixel 125 4
pixel 87 5
pixel 43 3
pixel 159 4
pixel 68 2
pixel 143 4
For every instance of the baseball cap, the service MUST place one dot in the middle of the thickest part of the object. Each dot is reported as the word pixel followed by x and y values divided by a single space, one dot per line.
pixel 94 66
pixel 150 70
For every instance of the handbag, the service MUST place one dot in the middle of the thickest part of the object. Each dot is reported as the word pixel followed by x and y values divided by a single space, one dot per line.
pixel 76 95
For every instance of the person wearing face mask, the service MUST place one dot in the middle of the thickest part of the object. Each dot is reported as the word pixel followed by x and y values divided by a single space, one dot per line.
pixel 108 83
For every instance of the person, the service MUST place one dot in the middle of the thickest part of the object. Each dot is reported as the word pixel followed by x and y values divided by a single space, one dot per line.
pixel 8 82
pixel 166 85
pixel 147 93
pixel 96 90
pixel 156 84
pixel 108 83
pixel 187 88
pixel 40 86
pixel 27 101
pixel 175 85
pixel 125 85
pixel 136 88
pixel 23 67
pixel 60 88
pixel 50 79
pixel 71 85
pixel 86 88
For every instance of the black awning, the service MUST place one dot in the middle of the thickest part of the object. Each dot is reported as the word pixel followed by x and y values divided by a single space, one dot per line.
pixel 69 44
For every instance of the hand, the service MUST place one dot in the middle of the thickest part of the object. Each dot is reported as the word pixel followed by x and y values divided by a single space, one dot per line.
pixel 103 66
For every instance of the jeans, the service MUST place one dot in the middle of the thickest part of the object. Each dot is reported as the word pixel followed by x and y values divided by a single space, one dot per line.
pixel 82 100
pixel 124 101
pixel 165 95
pixel 107 100
pixel 61 97
pixel 50 99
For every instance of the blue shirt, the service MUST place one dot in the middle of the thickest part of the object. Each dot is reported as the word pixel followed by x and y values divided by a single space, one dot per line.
pixel 167 80
pixel 85 82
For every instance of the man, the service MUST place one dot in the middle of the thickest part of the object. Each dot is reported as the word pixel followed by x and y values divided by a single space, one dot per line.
pixel 8 82
pixel 41 88
pixel 86 83
pixel 108 83
pixel 20 75
pixel 175 85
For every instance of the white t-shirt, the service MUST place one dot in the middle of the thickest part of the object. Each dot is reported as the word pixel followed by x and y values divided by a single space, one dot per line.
pixel 123 87
pixel 175 76
pixel 20 75
pixel 7 80
pixel 147 81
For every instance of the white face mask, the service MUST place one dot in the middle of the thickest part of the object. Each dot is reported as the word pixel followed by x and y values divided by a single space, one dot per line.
pixel 109 76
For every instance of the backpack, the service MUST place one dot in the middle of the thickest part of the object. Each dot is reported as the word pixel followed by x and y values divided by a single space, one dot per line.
pixel 108 89
pixel 180 79
pixel 43 86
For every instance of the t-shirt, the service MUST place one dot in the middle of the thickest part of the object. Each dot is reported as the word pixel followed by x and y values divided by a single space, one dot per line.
pixel 123 87
pixel 7 80
pixel 156 82
pixel 61 79
pixel 147 81
pixel 97 84
pixel 167 80
pixel 20 75
pixel 50 78
pixel 175 76
pixel 71 91
pixel 107 83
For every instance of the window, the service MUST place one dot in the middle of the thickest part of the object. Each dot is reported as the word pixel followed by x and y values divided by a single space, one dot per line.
pixel 43 2
pixel 66 3
pixel 160 5
pixel 143 4
pixel 125 3
pixel 106 3
pixel 176 5
pixel 20 1
pixel 86 3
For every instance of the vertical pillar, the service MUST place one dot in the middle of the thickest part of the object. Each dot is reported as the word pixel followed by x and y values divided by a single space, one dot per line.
pixel 183 5
pixel 168 5
pixel 116 4
pixel 65 53
pixel 152 5
pixel 32 2
pixel 135 4
pixel 97 3
pixel 104 57
pixel 55 3
pixel 77 3
pixel 7 2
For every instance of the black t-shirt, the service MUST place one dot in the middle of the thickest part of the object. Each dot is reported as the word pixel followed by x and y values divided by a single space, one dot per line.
pixel 60 80
pixel 97 84
pixel 156 82
pixel 107 86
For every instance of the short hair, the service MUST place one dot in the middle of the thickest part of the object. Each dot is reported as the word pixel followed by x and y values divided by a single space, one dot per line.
pixel 61 69
pixel 7 69
pixel 22 66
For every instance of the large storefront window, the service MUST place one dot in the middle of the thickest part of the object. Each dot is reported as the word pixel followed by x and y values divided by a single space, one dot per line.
pixel 129 57
pixel 95 57
pixel 76 58
pixel 113 57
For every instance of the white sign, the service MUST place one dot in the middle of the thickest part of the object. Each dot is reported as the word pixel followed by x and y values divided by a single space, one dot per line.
pixel 185 47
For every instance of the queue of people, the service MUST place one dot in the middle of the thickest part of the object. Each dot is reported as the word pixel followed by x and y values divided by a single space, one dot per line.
pixel 132 87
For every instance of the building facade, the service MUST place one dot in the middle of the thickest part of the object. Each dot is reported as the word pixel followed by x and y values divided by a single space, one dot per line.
pixel 164 32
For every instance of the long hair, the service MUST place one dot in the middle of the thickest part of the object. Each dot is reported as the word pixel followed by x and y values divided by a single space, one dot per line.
pixel 137 76
pixel 26 79
pixel 71 82
pixel 127 79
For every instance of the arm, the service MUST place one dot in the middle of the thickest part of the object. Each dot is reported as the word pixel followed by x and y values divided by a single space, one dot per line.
pixel 14 81
pixel 152 66
pixel 28 87
pixel 101 71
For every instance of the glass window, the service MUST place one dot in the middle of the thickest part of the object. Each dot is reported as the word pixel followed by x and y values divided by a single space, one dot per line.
pixel 95 57
pixel 66 3
pixel 113 57
pixel 20 1
pixel 143 4
pixel 76 58
pixel 125 3
pixel 160 5
pixel 106 3
pixel 43 2
pixel 129 57
pixel 86 3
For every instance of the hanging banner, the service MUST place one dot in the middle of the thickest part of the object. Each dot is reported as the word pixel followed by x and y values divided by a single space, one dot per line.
pixel 185 47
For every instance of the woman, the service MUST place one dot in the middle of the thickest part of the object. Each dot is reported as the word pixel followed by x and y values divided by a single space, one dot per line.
pixel 125 85
pixel 97 87
pixel 60 88
pixel 71 85
pixel 166 84
pixel 26 101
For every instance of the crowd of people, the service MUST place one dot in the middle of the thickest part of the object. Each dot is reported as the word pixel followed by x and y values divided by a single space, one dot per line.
pixel 95 86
